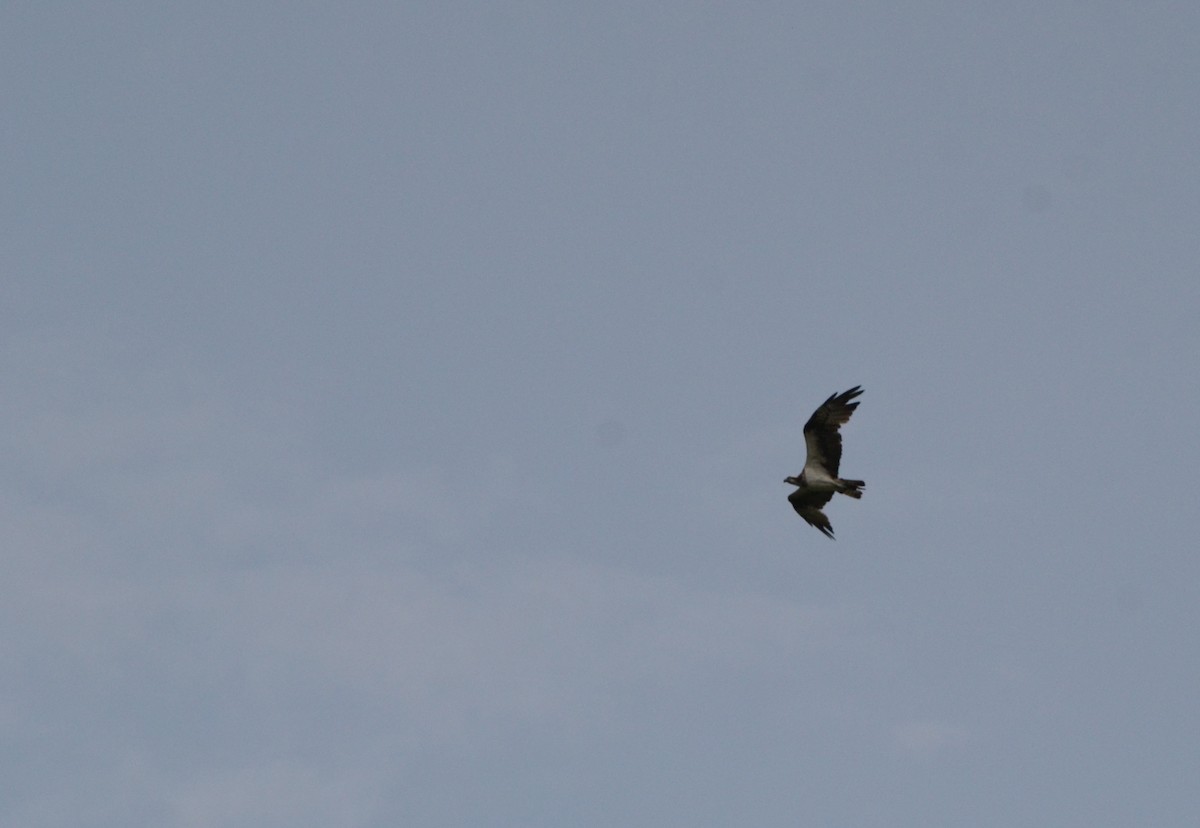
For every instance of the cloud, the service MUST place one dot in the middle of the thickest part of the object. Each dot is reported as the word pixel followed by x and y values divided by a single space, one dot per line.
pixel 927 738
pixel 202 609
pixel 270 794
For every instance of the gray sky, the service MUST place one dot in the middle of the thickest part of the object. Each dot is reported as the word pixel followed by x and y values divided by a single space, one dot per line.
pixel 397 398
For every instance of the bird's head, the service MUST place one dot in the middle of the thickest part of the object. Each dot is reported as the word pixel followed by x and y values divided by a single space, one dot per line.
pixel 794 481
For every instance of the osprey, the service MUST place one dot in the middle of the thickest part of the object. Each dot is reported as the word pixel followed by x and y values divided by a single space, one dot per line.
pixel 820 480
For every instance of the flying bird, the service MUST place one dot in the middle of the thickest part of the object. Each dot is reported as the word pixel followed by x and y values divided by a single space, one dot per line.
pixel 819 480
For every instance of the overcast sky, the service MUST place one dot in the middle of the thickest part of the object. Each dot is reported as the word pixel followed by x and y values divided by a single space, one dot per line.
pixel 397 399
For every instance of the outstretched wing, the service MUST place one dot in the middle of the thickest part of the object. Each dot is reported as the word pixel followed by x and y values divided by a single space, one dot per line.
pixel 821 436
pixel 808 505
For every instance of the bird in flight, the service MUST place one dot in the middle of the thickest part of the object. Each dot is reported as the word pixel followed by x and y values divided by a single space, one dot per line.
pixel 819 480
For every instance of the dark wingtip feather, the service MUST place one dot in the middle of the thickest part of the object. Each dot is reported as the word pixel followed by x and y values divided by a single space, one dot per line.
pixel 845 397
pixel 819 521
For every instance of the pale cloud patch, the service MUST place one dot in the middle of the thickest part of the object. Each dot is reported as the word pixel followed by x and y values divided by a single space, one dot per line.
pixel 271 794
pixel 928 737
pixel 193 590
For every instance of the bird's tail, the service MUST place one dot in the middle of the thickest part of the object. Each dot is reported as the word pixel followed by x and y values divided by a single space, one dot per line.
pixel 851 488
